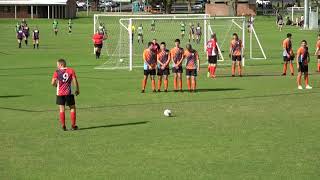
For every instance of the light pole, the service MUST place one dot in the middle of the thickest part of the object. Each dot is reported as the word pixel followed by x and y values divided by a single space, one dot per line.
pixel 306 14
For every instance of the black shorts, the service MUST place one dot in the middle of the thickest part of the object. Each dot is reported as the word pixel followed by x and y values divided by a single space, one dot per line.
pixel 19 39
pixel 212 59
pixel 236 58
pixel 191 72
pixel 151 72
pixel 98 45
pixel 162 72
pixel 303 68
pixel 66 100
pixel 179 70
pixel 285 58
pixel 318 56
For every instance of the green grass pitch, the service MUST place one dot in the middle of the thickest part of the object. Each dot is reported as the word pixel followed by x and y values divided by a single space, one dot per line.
pixel 256 127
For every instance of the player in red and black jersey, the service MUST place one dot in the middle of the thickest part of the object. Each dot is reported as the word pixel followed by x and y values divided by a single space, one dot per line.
pixel 212 55
pixel 62 78
pixel 163 59
pixel 98 39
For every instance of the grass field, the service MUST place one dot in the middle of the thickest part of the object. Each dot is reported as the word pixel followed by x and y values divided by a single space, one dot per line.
pixel 256 127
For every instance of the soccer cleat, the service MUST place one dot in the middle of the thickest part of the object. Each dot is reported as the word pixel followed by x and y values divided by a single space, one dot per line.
pixel 75 128
pixel 64 128
pixel 308 87
pixel 159 90
pixel 300 87
pixel 175 90
pixel 233 75
pixel 240 75
pixel 283 74
pixel 142 91
pixel 165 90
pixel 181 90
pixel 292 74
pixel 154 91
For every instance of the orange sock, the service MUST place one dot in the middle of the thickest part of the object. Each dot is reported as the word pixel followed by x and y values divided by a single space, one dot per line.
pixel 233 69
pixel 153 84
pixel 175 83
pixel 284 68
pixel 291 68
pixel 159 83
pixel 214 70
pixel 193 84
pixel 189 84
pixel 180 84
pixel 166 84
pixel 144 83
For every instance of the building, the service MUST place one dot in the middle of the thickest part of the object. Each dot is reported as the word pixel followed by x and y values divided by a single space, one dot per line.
pixel 226 7
pixel 58 9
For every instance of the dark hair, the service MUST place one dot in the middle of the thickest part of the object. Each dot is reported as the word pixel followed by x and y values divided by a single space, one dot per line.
pixel 289 35
pixel 235 34
pixel 189 46
pixel 163 43
pixel 304 41
pixel 62 62
pixel 177 40
pixel 154 39
pixel 150 43
pixel 213 35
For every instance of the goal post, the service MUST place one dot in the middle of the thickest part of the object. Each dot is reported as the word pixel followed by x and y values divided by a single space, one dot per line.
pixel 123 51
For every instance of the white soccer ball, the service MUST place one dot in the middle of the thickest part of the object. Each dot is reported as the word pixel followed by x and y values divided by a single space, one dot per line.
pixel 167 112
pixel 121 60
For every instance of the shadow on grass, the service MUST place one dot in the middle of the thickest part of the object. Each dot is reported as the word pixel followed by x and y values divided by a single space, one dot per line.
pixel 115 125
pixel 12 96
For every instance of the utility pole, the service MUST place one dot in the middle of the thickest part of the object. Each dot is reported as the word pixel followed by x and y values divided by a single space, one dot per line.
pixel 306 14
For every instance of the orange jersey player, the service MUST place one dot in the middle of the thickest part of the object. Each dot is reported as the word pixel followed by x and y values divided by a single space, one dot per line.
pixel 303 59
pixel 176 54
pixel 192 67
pixel 62 78
pixel 317 53
pixel 236 54
pixel 288 55
pixel 163 59
pixel 150 63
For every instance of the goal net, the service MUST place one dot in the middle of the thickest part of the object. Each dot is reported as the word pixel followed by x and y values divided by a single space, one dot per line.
pixel 123 51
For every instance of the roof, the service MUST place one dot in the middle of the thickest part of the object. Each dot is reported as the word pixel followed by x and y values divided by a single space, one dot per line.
pixel 33 2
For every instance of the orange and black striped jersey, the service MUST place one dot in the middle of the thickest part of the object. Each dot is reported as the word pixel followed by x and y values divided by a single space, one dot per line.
pixel 176 54
pixel 318 47
pixel 192 58
pixel 164 56
pixel 236 47
pixel 303 55
pixel 149 57
pixel 287 46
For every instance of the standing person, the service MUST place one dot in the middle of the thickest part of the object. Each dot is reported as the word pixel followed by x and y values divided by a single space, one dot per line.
pixel 140 34
pixel 70 26
pixel 317 53
pixel 153 26
pixel 303 59
pixel 18 26
pixel 236 54
pixel 212 55
pixel 62 78
pixel 192 67
pixel 163 59
pixel 288 55
pixel 198 33
pixel 150 63
pixel 191 32
pixel 97 39
pixel 102 28
pixel 20 36
pixel 35 38
pixel 182 29
pixel 176 54
pixel 55 27
pixel 156 46
pixel 133 30
pixel 280 22
pixel 26 33
pixel 250 23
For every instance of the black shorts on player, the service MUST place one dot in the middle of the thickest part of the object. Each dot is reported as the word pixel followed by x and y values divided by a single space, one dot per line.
pixel 191 72
pixel 236 58
pixel 318 56
pixel 98 45
pixel 212 59
pixel 303 68
pixel 179 70
pixel 66 100
pixel 151 72
pixel 161 72
pixel 286 59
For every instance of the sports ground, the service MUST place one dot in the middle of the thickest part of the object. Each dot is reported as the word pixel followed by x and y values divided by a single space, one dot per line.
pixel 259 126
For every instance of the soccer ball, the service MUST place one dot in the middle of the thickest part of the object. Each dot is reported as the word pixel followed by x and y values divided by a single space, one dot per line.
pixel 167 112
pixel 121 60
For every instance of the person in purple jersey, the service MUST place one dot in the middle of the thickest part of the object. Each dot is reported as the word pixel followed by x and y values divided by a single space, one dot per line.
pixel 26 33
pixel 20 36
pixel 35 37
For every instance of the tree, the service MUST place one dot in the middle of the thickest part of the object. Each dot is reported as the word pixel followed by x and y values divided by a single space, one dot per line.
pixel 298 3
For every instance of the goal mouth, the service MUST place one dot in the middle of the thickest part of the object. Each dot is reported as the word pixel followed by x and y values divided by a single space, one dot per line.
pixel 124 47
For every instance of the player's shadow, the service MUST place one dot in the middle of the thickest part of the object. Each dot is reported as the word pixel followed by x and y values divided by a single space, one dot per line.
pixel 115 125
pixel 217 89
pixel 11 96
